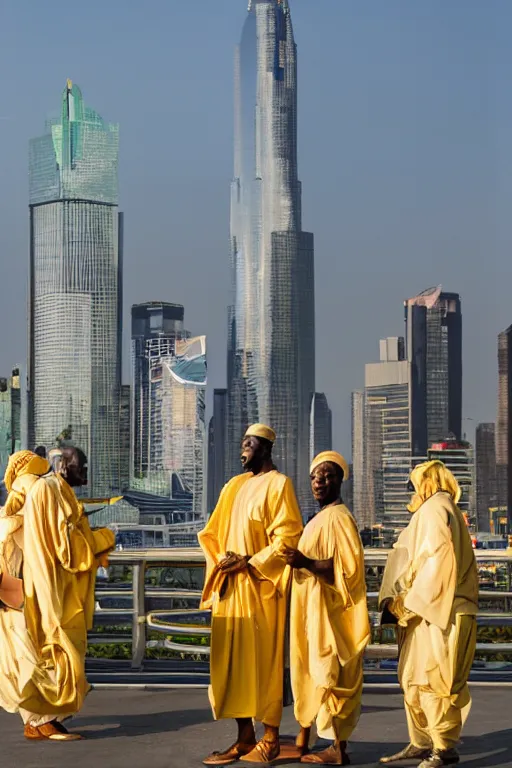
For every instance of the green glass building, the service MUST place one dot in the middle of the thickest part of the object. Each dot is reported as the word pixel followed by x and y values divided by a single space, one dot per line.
pixel 76 288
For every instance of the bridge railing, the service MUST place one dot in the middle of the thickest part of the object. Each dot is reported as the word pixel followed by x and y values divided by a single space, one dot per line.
pixel 147 605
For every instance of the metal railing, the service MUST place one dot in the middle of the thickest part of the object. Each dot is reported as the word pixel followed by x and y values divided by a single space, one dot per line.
pixel 191 622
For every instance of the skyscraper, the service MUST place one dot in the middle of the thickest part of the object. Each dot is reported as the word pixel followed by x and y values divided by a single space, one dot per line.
pixel 271 340
pixel 504 423
pixel 485 464
pixel 75 288
pixel 388 457
pixel 321 425
pixel 434 349
pixel 156 326
pixel 168 406
pixel 10 418
pixel 217 448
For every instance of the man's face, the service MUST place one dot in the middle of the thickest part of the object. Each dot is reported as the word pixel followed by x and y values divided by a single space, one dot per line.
pixel 326 483
pixel 76 470
pixel 250 453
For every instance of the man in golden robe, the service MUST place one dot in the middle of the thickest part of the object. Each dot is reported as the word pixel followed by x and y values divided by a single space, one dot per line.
pixel 329 625
pixel 46 541
pixel 246 587
pixel 431 586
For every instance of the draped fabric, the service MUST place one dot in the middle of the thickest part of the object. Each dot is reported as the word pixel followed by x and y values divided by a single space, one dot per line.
pixel 432 580
pixel 256 516
pixel 329 627
pixel 50 544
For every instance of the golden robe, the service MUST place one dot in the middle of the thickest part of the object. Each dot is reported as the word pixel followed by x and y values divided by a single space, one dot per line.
pixel 329 627
pixel 256 516
pixel 50 545
pixel 433 580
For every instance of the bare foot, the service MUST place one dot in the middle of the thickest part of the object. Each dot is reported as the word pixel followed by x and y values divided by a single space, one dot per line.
pixel 302 741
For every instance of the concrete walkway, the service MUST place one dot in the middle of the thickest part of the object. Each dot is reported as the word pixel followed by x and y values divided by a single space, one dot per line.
pixel 173 729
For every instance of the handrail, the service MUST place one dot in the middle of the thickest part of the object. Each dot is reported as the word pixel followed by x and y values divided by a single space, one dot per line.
pixel 141 619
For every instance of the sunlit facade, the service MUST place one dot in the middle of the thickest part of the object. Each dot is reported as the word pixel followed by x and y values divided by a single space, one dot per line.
pixel 75 288
pixel 271 355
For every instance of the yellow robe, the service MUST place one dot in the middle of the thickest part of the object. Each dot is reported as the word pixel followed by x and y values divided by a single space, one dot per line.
pixel 50 544
pixel 433 580
pixel 256 516
pixel 329 627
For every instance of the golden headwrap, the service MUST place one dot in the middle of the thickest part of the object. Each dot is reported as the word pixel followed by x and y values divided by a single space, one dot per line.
pixel 21 463
pixel 261 430
pixel 335 458
pixel 430 478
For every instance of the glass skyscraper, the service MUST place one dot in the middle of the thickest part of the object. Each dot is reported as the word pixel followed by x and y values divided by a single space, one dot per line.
pixel 168 406
pixel 75 288
pixel 271 354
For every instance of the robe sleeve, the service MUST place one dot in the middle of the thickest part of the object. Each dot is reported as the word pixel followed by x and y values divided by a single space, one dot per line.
pixel 284 528
pixel 51 535
pixel 345 550
pixel 430 582
pixel 101 540
pixel 211 540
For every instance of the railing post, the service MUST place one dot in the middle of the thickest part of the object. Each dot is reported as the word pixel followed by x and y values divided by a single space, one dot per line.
pixel 139 615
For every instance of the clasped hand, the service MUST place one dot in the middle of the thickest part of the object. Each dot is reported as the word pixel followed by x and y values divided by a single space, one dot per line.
pixel 233 563
pixel 295 558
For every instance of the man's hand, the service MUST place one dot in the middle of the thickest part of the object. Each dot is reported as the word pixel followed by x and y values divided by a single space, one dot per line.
pixel 233 563
pixel 295 558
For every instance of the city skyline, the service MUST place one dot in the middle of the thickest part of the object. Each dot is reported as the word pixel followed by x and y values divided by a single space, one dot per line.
pixel 446 238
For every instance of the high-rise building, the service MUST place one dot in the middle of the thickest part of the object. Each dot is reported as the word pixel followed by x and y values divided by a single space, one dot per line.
pixel 217 448
pixel 321 425
pixel 10 418
pixel 362 510
pixel 457 455
pixel 168 406
pixel 434 349
pixel 75 288
pixel 156 326
pixel 124 437
pixel 486 488
pixel 504 424
pixel 271 339
pixel 388 457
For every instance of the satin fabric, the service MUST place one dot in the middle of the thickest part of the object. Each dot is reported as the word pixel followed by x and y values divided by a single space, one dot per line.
pixel 432 579
pixel 50 544
pixel 256 516
pixel 329 627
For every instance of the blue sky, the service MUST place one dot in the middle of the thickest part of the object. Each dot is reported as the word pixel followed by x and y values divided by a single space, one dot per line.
pixel 404 153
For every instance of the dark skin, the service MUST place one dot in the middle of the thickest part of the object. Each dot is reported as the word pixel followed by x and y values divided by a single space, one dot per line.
pixel 73 467
pixel 256 458
pixel 326 481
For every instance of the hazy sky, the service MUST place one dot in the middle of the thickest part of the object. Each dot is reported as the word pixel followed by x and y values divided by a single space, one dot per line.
pixel 405 127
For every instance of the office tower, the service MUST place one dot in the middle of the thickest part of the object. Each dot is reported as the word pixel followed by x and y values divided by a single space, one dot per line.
pixel 457 455
pixel 271 338
pixel 217 448
pixel 434 349
pixel 10 418
pixel 168 406
pixel 387 440
pixel 486 488
pixel 75 288
pixel 362 510
pixel 504 423
pixel 321 425
pixel 156 326
pixel 124 436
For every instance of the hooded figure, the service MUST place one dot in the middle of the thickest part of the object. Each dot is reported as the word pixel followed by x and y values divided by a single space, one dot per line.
pixel 431 586
pixel 48 561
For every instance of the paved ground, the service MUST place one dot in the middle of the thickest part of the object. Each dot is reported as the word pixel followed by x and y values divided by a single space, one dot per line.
pixel 173 729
